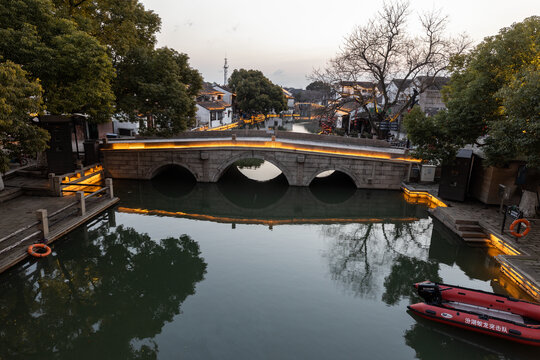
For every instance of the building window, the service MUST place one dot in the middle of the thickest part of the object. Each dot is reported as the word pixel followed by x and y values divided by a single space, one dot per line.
pixel 220 115
pixel 212 115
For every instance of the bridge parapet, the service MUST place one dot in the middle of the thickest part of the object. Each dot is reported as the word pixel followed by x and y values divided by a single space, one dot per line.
pixel 282 135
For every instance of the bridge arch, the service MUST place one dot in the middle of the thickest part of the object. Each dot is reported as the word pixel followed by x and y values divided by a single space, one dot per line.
pixel 160 167
pixel 252 155
pixel 343 170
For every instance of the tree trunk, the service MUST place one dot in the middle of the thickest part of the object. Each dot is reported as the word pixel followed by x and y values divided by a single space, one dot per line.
pixel 1 183
pixel 528 203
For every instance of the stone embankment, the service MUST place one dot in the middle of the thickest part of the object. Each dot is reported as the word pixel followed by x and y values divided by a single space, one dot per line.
pixel 477 224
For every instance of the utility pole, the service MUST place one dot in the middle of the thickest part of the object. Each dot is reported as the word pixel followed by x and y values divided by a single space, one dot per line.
pixel 225 68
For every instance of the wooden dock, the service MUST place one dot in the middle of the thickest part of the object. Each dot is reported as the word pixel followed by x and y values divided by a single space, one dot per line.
pixel 13 249
pixel 27 220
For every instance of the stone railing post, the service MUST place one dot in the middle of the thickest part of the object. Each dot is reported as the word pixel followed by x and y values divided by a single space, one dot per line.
pixel 110 189
pixel 82 203
pixel 41 215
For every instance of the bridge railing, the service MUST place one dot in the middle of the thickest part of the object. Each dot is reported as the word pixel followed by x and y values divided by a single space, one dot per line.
pixel 279 135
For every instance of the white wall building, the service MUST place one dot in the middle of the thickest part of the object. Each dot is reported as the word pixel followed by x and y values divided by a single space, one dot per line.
pixel 213 109
pixel 226 91
pixel 213 113
pixel 429 89
pixel 290 98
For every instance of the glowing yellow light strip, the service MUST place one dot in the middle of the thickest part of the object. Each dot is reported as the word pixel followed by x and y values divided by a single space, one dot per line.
pixel 426 198
pixel 422 197
pixel 510 271
pixel 223 219
pixel 503 246
pixel 97 177
pixel 224 127
pixel 520 280
pixel 261 144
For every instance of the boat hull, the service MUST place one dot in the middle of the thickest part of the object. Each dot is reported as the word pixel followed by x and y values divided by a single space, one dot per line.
pixel 472 322
pixel 479 311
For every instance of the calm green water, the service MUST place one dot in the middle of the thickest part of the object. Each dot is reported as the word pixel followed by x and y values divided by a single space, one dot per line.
pixel 245 271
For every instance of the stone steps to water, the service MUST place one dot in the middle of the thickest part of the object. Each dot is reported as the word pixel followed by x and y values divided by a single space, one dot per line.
pixel 473 234
pixel 466 222
pixel 477 240
pixel 469 228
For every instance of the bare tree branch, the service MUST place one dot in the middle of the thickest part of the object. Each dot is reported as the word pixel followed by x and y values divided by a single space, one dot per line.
pixel 381 52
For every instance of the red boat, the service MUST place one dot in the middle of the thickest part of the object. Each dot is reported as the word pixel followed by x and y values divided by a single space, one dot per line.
pixel 480 311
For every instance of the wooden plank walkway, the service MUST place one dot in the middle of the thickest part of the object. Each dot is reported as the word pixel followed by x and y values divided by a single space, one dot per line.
pixel 19 215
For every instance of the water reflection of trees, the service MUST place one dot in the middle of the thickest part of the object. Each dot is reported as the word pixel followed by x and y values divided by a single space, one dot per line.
pixel 358 257
pixel 107 295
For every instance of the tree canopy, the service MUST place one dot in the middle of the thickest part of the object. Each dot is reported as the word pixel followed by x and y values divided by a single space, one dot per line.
pixel 383 50
pixel 19 97
pixel 256 94
pixel 97 58
pixel 119 25
pixel 160 85
pixel 493 101
pixel 73 67
pixel 318 85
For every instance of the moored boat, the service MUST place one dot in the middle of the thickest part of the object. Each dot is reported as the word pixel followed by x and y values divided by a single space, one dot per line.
pixel 480 311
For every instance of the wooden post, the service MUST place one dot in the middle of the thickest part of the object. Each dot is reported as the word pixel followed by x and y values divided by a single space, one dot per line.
pixel 82 203
pixel 41 215
pixel 58 186
pixel 51 183
pixel 109 185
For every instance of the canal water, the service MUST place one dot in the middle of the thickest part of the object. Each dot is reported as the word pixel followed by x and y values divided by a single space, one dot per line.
pixel 246 270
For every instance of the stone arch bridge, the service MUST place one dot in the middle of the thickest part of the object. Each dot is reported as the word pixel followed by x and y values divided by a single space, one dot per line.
pixel 369 163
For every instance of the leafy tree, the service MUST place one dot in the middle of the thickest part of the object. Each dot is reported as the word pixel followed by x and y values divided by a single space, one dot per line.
pixel 160 85
pixel 431 136
pixel 382 50
pixel 120 25
pixel 74 69
pixel 493 101
pixel 19 97
pixel 255 94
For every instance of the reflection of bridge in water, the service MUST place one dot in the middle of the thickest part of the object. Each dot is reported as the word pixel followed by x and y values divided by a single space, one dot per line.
pixel 271 203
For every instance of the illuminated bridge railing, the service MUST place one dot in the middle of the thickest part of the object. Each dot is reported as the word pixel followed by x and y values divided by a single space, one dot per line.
pixel 307 143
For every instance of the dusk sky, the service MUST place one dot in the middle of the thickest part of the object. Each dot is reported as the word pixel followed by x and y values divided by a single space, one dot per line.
pixel 286 39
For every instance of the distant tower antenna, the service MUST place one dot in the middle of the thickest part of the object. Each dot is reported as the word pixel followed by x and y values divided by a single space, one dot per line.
pixel 225 68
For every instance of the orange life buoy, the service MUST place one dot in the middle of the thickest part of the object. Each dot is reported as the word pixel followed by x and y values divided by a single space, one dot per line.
pixel 518 221
pixel 31 250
